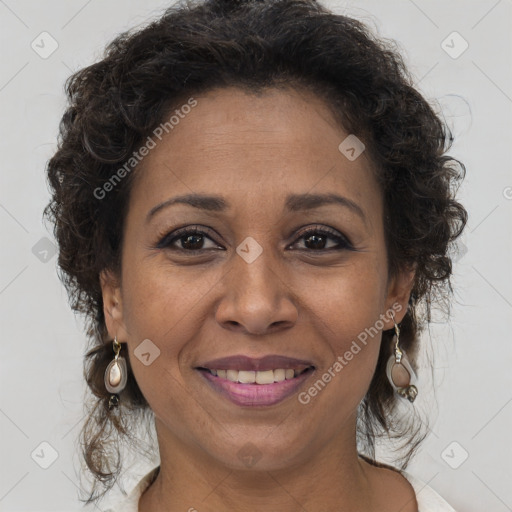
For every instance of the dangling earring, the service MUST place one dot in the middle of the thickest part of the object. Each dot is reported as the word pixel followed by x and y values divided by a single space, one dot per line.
pixel 115 375
pixel 399 371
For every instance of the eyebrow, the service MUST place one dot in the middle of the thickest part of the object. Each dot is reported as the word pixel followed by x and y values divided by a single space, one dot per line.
pixel 293 203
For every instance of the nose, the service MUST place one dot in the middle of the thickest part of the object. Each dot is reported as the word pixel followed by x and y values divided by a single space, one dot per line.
pixel 256 298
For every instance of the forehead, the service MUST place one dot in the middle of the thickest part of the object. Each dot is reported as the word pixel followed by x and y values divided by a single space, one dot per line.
pixel 255 149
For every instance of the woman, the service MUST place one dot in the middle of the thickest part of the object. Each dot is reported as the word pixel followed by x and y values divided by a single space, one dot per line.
pixel 252 205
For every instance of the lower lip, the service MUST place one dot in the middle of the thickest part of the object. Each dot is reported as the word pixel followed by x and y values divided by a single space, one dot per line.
pixel 255 394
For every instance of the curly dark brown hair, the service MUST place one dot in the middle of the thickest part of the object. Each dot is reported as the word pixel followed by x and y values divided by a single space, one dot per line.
pixel 195 46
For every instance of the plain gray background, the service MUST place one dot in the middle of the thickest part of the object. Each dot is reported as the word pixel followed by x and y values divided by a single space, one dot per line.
pixel 41 385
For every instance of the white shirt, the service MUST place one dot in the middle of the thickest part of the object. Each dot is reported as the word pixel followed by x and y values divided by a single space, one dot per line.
pixel 428 499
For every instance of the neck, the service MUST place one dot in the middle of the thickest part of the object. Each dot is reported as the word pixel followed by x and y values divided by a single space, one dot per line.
pixel 335 478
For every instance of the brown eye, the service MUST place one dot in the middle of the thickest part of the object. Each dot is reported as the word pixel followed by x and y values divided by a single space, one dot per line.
pixel 316 239
pixel 189 240
pixel 193 240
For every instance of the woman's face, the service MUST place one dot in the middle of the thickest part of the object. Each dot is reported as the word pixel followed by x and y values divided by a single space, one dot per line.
pixel 274 273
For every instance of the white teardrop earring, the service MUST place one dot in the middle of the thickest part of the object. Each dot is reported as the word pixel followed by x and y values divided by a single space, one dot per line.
pixel 399 371
pixel 116 375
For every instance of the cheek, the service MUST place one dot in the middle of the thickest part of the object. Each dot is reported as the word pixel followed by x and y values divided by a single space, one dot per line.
pixel 353 299
pixel 163 303
pixel 349 315
pixel 157 295
pixel 154 310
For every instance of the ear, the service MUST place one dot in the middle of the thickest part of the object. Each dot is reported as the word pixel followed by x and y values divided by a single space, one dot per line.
pixel 113 305
pixel 399 292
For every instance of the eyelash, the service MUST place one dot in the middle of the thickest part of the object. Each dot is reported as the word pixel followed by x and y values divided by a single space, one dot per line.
pixel 168 239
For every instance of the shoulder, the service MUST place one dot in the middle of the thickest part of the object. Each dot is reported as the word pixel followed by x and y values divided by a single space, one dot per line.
pixel 392 490
pixel 402 490
pixel 428 499
pixel 130 503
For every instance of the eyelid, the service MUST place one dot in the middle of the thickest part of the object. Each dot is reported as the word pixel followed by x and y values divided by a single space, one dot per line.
pixel 326 230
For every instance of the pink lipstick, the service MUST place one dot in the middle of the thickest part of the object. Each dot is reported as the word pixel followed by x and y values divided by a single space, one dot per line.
pixel 253 382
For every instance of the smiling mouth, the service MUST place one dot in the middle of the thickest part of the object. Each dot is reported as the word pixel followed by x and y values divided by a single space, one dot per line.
pixel 256 388
pixel 258 377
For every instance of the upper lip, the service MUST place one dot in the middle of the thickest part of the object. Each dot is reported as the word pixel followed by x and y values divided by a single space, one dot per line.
pixel 270 362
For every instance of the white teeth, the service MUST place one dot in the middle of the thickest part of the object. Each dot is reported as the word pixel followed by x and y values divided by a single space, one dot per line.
pixel 251 377
pixel 232 375
pixel 266 377
pixel 246 377
pixel 279 375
